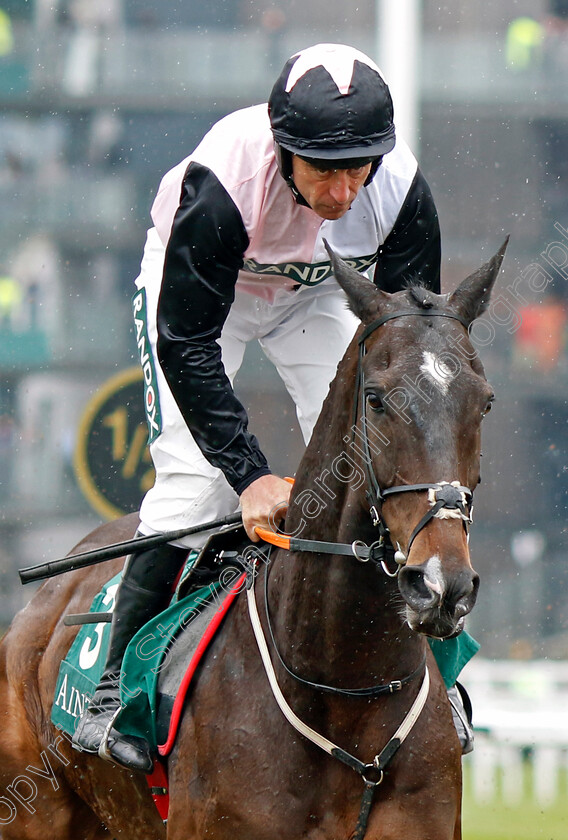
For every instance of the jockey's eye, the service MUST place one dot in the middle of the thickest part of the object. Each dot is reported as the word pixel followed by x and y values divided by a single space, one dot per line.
pixel 374 401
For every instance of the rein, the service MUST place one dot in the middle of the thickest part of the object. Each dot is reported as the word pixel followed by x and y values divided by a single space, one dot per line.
pixel 377 551
pixel 370 691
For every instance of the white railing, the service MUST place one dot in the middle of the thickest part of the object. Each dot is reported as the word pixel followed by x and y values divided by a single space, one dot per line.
pixel 521 721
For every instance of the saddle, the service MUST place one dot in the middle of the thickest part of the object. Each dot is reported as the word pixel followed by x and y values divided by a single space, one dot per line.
pixel 161 659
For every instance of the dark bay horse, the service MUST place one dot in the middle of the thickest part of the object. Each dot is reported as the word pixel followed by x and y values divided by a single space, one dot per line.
pixel 399 428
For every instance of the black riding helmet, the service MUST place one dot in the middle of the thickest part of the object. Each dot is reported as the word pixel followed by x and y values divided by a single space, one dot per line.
pixel 331 106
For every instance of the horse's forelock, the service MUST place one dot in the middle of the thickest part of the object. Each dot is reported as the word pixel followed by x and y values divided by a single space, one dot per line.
pixel 424 298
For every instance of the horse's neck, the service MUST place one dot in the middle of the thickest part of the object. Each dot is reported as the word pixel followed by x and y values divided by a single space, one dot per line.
pixel 337 619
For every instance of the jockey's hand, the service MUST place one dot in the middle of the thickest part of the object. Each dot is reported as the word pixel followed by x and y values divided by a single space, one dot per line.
pixel 264 504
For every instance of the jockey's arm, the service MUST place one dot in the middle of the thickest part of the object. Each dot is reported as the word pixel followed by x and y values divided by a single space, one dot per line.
pixel 412 250
pixel 205 244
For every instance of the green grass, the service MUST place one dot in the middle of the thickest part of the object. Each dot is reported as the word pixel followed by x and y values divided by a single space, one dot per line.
pixel 523 821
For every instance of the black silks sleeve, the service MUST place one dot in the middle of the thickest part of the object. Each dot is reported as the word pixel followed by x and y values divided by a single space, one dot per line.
pixel 412 250
pixel 202 261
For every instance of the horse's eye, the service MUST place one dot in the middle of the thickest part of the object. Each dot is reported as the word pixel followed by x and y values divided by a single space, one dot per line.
pixel 488 406
pixel 374 401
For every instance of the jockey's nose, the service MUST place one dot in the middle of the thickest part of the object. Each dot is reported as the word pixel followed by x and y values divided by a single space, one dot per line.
pixel 339 188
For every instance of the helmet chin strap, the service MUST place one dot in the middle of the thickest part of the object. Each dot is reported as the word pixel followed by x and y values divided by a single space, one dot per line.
pixel 296 193
pixel 284 161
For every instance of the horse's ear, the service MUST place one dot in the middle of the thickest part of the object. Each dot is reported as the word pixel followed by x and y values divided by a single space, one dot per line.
pixel 471 298
pixel 364 297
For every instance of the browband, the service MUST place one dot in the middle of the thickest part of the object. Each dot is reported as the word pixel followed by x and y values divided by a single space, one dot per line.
pixel 422 312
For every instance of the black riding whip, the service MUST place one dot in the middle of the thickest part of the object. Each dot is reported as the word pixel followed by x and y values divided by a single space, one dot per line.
pixel 108 552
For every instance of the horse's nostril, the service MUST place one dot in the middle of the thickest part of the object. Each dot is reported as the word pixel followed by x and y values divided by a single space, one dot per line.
pixel 415 590
pixel 462 607
pixel 465 592
pixel 469 597
pixel 457 594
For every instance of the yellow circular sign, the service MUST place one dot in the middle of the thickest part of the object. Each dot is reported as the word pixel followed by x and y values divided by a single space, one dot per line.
pixel 112 461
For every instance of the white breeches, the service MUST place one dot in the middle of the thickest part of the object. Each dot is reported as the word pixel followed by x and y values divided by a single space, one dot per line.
pixel 304 333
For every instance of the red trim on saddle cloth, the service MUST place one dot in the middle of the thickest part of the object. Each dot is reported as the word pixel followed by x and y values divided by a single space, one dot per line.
pixel 158 784
pixel 158 779
pixel 212 628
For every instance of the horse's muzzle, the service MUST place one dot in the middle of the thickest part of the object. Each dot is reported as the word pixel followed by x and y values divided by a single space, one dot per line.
pixel 437 601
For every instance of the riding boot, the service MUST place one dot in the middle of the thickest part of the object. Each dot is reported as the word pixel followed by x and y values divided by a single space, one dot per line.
pixel 462 716
pixel 145 590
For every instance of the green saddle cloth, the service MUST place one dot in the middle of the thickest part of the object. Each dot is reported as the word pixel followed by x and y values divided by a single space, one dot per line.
pixel 452 655
pixel 80 671
pixel 147 655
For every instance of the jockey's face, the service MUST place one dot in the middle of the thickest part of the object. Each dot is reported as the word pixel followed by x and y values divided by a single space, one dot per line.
pixel 329 192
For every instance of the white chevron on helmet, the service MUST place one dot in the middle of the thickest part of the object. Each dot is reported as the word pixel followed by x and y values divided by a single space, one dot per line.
pixel 338 60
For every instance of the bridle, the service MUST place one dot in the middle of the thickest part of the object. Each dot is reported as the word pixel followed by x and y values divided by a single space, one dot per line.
pixel 447 499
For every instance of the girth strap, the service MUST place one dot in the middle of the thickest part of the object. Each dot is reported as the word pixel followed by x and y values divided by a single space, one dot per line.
pixel 364 811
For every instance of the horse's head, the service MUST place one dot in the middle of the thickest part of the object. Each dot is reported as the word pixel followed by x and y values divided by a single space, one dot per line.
pixel 421 397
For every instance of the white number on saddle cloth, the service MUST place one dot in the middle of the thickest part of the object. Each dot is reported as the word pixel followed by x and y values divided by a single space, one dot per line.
pixel 92 645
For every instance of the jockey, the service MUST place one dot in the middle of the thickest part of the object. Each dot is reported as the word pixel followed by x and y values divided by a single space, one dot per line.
pixel 236 253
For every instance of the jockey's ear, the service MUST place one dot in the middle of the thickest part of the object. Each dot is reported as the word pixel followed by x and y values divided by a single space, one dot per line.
pixel 471 298
pixel 364 297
